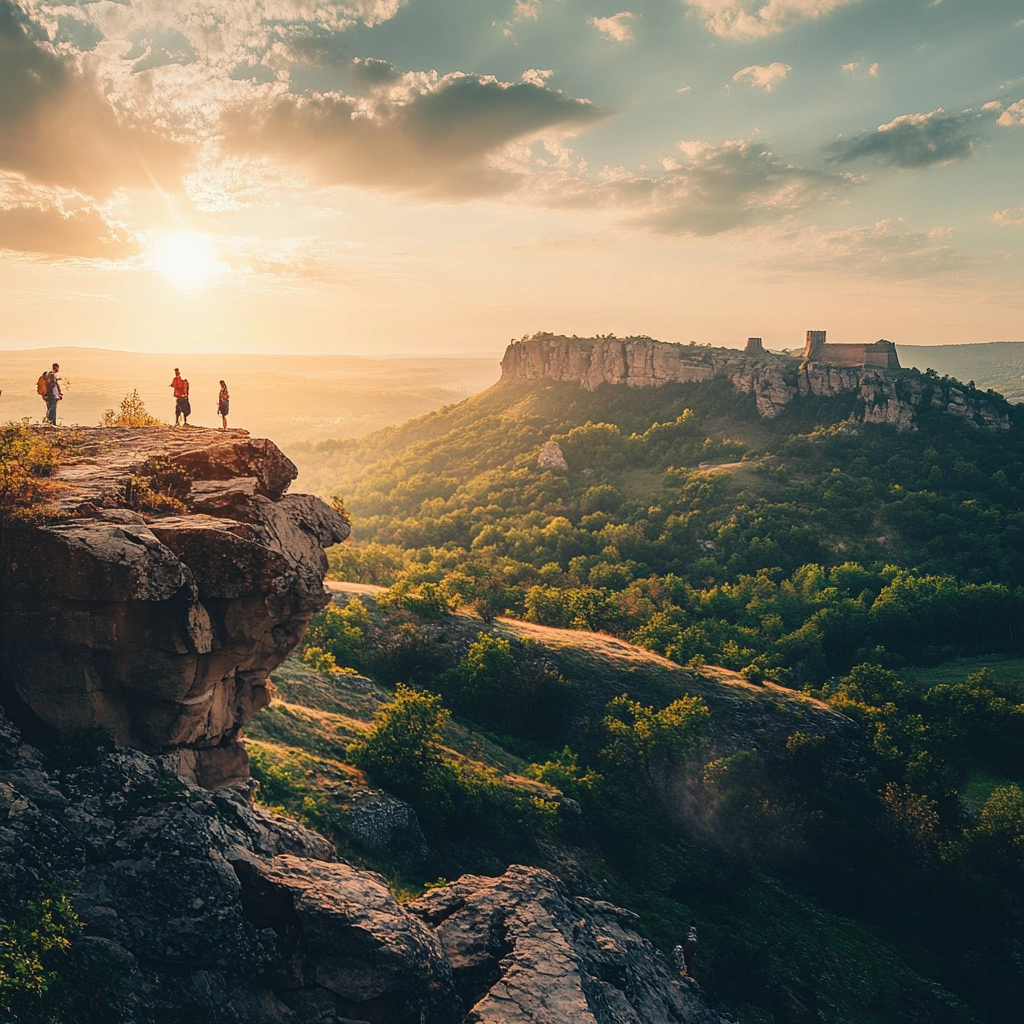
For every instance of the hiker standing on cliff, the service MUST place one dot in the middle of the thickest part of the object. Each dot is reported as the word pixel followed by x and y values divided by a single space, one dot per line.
pixel 50 390
pixel 223 405
pixel 182 409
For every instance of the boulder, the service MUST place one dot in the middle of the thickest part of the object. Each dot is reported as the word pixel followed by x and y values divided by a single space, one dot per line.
pixel 159 631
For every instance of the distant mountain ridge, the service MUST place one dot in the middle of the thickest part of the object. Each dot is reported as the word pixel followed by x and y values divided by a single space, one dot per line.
pixel 992 364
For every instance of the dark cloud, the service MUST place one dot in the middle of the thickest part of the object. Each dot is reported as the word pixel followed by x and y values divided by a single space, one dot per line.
pixel 48 231
pixel 57 129
pixel 434 137
pixel 711 190
pixel 913 140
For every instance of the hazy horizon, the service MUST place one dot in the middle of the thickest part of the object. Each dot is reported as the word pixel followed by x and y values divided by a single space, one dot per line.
pixel 401 177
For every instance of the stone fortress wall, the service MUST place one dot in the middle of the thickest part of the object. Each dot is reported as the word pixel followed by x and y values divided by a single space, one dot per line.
pixel 881 354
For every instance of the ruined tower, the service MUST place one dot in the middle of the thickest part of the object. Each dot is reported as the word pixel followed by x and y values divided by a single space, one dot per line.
pixel 754 347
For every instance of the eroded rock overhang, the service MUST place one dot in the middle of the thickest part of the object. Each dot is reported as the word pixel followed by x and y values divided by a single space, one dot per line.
pixel 159 631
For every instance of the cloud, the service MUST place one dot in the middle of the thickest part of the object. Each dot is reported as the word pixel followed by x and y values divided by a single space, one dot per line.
pixel 912 140
pixel 763 76
pixel 57 223
pixel 853 70
pixel 616 27
pixel 891 249
pixel 707 190
pixel 438 136
pixel 1012 115
pixel 57 129
pixel 1010 218
pixel 754 19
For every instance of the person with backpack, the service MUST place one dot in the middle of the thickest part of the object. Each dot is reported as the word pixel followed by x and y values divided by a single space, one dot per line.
pixel 49 389
pixel 182 408
pixel 223 405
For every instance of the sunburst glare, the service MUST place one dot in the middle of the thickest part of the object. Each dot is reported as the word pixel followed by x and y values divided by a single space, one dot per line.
pixel 187 259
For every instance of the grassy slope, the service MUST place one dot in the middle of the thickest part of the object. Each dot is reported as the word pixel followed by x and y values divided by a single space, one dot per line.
pixel 769 952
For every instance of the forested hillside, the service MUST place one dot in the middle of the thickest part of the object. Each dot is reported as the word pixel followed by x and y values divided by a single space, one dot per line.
pixel 806 553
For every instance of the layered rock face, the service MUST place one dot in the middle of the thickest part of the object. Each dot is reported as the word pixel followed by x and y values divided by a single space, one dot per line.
pixel 197 906
pixel 881 395
pixel 158 631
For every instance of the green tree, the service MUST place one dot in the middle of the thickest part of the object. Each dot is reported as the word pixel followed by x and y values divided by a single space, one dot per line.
pixel 654 745
pixel 402 748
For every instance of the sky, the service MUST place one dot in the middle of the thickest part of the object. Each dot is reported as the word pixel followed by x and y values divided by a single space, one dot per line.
pixel 398 177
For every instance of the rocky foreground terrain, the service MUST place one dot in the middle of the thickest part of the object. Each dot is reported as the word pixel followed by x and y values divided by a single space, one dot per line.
pixel 136 643
pixel 893 397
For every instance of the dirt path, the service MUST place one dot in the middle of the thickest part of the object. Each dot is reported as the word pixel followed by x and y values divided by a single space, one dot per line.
pixel 336 587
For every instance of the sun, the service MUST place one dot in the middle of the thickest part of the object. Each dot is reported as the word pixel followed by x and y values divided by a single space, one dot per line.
pixel 186 259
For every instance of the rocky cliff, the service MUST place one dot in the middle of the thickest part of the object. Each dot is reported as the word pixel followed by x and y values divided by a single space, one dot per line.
pixel 198 906
pixel 174 575
pixel 140 618
pixel 895 397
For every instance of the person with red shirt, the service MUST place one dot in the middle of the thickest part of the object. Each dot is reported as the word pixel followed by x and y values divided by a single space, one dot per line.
pixel 182 408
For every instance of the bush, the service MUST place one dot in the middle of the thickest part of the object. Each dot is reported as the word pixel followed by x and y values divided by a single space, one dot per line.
pixel 402 749
pixel 27 463
pixel 32 952
pixel 131 414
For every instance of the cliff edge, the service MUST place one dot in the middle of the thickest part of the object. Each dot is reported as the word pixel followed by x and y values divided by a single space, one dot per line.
pixel 173 576
pixel 880 394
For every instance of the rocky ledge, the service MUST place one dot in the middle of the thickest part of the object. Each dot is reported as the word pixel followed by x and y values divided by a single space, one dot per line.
pixel 174 575
pixel 894 397
pixel 198 906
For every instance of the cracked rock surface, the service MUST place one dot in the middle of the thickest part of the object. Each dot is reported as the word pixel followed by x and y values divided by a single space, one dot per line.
pixel 159 631
pixel 198 906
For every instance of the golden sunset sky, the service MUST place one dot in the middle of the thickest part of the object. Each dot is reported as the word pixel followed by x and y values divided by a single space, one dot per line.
pixel 426 177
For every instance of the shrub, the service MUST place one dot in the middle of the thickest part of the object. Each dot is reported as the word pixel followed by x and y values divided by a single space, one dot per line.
pixel 32 949
pixel 402 749
pixel 132 413
pixel 27 464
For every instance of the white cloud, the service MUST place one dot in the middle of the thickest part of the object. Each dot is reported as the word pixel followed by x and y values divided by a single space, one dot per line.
pixel 616 27
pixel 763 76
pixel 1012 115
pixel 890 249
pixel 754 19
pixel 854 70
pixel 537 77
pixel 705 190
pixel 1010 218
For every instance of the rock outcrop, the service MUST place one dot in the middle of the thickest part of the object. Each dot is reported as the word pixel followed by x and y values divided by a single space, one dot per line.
pixel 196 905
pixel 878 395
pixel 524 951
pixel 156 626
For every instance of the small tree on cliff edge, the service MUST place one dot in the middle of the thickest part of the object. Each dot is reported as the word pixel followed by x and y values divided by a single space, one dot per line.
pixel 131 414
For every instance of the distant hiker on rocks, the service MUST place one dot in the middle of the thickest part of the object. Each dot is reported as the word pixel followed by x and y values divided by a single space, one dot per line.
pixel 223 405
pixel 182 408
pixel 690 947
pixel 48 386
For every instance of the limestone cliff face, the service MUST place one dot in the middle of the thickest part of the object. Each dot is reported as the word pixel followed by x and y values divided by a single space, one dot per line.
pixel 158 631
pixel 888 396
